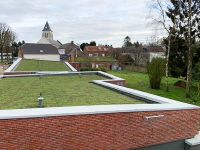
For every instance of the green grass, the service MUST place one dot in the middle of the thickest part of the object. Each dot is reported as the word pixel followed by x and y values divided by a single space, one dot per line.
pixel 58 91
pixel 90 59
pixel 140 81
pixel 40 65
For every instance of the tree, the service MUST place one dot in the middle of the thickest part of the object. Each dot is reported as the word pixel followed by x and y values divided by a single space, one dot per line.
pixel 196 75
pixel 127 42
pixel 7 37
pixel 83 45
pixel 177 57
pixel 15 48
pixel 137 44
pixel 163 9
pixel 189 27
pixel 156 71
pixel 93 43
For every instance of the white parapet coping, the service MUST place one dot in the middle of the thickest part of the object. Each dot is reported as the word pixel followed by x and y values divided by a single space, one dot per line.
pixel 70 66
pixel 88 110
pixel 160 103
pixel 194 141
pixel 14 65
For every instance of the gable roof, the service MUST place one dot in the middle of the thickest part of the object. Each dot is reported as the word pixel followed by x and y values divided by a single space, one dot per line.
pixel 48 41
pixel 69 47
pixel 47 27
pixel 32 48
pixel 97 48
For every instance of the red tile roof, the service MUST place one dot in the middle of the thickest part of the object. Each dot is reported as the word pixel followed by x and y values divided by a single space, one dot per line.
pixel 97 48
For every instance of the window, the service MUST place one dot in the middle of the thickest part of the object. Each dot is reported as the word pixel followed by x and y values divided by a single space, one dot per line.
pixel 90 55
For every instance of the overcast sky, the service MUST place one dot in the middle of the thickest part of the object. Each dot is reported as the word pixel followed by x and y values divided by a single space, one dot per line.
pixel 105 21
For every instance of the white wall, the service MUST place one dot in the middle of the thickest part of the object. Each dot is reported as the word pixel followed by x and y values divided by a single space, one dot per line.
pixel 61 51
pixel 156 55
pixel 42 57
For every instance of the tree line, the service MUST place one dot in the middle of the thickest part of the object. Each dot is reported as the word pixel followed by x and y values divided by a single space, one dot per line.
pixel 181 21
pixel 8 46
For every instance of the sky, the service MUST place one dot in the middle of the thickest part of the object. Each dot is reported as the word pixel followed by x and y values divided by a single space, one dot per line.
pixel 103 21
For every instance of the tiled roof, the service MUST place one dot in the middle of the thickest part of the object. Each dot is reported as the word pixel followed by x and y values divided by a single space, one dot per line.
pixel 97 48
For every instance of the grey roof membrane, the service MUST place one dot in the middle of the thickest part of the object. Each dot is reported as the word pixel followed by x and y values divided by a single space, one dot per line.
pixel 31 48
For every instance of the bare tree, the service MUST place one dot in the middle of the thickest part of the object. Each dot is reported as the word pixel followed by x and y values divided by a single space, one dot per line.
pixel 189 67
pixel 160 6
pixel 7 37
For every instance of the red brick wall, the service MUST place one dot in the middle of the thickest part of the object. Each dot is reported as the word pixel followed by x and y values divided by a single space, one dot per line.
pixel 119 131
pixel 77 66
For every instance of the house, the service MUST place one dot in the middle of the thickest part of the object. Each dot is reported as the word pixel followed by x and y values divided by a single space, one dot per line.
pixel 39 52
pixel 47 37
pixel 139 56
pixel 98 51
pixel 155 52
pixel 70 51
pixel 96 57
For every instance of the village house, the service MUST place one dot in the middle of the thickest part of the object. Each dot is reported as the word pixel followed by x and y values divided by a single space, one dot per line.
pixel 70 51
pixel 97 57
pixel 97 51
pixel 139 56
pixel 39 52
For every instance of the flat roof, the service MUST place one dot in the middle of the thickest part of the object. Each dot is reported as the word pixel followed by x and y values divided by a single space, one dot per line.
pixel 58 91
pixel 41 65
pixel 158 103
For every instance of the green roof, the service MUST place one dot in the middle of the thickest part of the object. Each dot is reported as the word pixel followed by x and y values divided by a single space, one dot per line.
pixel 58 91
pixel 40 65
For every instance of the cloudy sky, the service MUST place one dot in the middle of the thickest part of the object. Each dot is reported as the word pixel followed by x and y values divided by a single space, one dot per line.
pixel 105 21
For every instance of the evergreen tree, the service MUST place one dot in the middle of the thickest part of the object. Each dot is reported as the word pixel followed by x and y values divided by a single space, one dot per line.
pixel 93 43
pixel 187 14
pixel 127 42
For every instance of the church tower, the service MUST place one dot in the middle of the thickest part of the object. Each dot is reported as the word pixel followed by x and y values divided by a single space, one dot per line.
pixel 47 32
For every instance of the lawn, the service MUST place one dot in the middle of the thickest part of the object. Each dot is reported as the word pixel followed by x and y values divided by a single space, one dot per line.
pixel 40 65
pixel 140 82
pixel 57 91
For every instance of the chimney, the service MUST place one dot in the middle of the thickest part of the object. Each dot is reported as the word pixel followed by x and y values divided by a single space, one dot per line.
pixel 72 42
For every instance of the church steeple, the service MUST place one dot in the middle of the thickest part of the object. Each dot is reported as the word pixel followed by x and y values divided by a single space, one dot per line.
pixel 47 32
pixel 47 27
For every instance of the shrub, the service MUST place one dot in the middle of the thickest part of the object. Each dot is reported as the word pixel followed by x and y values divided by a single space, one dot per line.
pixel 156 70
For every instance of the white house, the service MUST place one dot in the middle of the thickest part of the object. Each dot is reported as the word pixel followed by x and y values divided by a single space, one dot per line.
pixel 156 52
pixel 39 52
